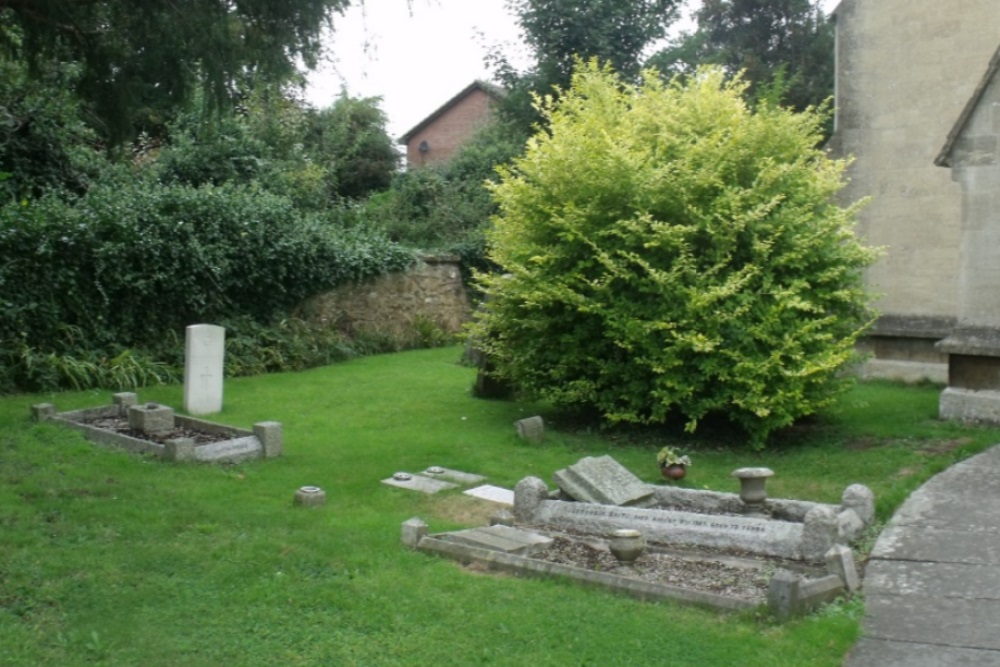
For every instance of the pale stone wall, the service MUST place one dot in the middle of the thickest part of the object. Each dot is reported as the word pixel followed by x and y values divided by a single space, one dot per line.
pixel 394 304
pixel 905 71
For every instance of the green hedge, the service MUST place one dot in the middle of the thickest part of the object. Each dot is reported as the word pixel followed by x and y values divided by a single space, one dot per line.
pixel 133 261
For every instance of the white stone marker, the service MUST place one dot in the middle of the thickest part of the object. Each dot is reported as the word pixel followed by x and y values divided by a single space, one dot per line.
pixel 204 350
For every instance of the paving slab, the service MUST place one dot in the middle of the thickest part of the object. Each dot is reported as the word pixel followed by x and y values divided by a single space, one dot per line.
pixel 883 653
pixel 932 586
pixel 929 580
pixel 919 543
pixel 957 622
pixel 457 476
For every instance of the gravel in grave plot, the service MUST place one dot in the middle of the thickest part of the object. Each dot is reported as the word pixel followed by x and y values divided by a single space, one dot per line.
pixel 739 576
pixel 120 425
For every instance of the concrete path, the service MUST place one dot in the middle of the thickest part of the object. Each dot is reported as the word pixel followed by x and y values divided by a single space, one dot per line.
pixel 932 587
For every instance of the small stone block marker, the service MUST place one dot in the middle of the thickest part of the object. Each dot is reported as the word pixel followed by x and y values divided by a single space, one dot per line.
pixel 269 434
pixel 309 496
pixel 151 418
pixel 860 498
pixel 413 531
pixel 840 561
pixel 204 351
pixel 43 411
pixel 179 449
pixel 123 401
pixel 783 593
pixel 531 429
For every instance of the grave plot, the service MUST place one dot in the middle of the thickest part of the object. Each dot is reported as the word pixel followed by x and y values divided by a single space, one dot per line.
pixel 729 551
pixel 155 429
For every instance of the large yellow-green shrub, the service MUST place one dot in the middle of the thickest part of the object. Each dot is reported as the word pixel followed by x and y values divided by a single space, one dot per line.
pixel 668 251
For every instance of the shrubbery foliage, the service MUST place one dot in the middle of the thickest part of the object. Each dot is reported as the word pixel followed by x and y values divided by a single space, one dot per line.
pixel 669 252
pixel 132 262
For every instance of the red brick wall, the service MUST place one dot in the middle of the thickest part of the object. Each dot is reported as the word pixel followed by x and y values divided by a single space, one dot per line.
pixel 450 130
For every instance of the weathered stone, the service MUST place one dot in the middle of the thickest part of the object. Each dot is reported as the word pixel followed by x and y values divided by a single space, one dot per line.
pixel 413 531
pixel 860 498
pixel 494 494
pixel 602 480
pixel 531 429
pixel 204 352
pixel 456 476
pixel 503 517
pixel 151 418
pixel 230 451
pixel 771 538
pixel 179 449
pixel 820 531
pixel 500 538
pixel 269 434
pixel 840 561
pixel 529 494
pixel 816 592
pixel 849 526
pixel 783 593
pixel 309 496
pixel 123 401
pixel 43 411
pixel 418 483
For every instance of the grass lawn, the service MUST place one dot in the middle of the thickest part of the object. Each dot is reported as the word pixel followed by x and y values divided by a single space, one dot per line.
pixel 107 558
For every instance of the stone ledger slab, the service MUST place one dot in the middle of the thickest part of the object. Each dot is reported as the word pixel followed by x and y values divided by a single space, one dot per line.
pixel 501 538
pixel 604 481
pixel 492 493
pixel 449 475
pixel 771 538
pixel 420 483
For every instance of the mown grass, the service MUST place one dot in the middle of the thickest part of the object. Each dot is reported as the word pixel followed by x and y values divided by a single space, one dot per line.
pixel 110 559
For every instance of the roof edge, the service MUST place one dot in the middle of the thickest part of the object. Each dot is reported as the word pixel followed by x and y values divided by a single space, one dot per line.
pixel 943 158
pixel 494 91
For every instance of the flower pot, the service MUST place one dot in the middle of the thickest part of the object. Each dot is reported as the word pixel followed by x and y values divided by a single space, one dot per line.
pixel 673 471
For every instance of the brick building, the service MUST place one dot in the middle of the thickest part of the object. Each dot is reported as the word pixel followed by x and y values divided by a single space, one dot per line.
pixel 437 137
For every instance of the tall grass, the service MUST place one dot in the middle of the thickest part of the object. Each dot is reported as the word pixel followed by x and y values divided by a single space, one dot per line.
pixel 111 559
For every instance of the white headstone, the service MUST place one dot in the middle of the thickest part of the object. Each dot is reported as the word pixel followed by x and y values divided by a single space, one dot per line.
pixel 204 350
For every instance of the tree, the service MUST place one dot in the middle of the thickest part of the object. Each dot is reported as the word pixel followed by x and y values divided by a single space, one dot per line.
pixel 559 32
pixel 783 47
pixel 141 58
pixel 668 251
pixel 350 139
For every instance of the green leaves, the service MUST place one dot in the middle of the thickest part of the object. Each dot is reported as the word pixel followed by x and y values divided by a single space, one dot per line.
pixel 667 251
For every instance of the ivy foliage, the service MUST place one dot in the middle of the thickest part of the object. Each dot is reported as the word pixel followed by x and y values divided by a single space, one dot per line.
pixel 133 261
pixel 668 252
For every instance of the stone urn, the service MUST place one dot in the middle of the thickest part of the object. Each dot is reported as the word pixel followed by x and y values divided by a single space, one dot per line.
pixel 627 545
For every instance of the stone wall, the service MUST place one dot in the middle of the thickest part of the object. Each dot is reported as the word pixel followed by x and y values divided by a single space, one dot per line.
pixel 905 71
pixel 397 304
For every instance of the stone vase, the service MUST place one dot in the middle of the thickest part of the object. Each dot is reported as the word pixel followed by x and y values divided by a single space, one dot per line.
pixel 627 545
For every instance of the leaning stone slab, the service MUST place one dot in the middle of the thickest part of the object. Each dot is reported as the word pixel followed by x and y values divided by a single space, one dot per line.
pixel 604 481
pixel 840 561
pixel 770 538
pixel 500 538
pixel 418 483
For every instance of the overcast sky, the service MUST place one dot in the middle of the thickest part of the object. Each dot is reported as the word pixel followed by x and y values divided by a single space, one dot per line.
pixel 416 59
